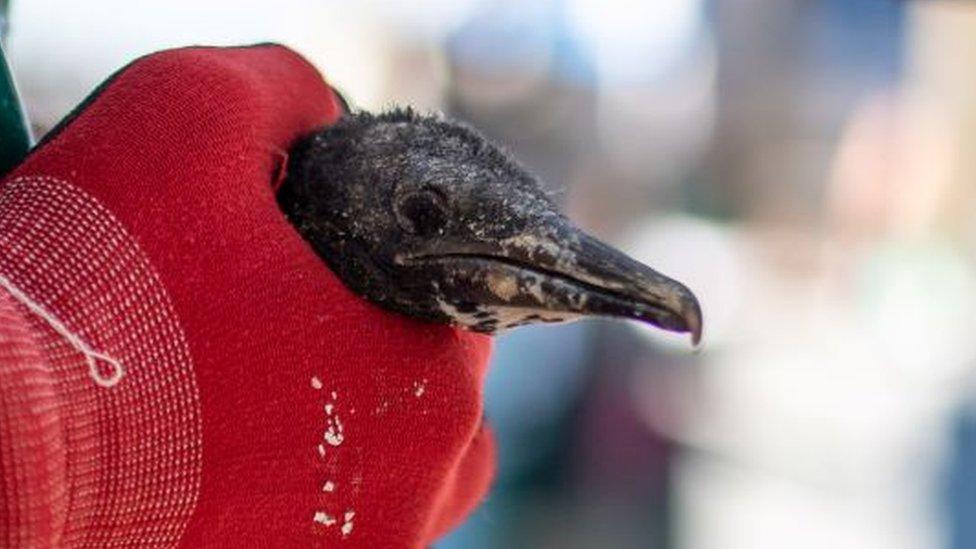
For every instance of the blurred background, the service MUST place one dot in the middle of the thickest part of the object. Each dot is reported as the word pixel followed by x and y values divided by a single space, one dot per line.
pixel 808 167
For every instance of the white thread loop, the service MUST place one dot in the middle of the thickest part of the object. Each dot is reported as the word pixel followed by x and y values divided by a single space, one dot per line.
pixel 92 357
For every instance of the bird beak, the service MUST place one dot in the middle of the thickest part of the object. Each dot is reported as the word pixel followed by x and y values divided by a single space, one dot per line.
pixel 559 273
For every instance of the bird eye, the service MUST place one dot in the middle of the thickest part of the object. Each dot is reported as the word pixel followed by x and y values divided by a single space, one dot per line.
pixel 422 212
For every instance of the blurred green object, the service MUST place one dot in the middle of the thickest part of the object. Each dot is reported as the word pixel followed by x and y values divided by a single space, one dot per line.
pixel 15 132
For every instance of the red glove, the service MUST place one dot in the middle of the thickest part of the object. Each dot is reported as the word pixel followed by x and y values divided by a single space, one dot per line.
pixel 177 367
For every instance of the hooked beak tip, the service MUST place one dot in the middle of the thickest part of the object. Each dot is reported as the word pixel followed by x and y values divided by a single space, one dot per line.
pixel 683 314
pixel 671 306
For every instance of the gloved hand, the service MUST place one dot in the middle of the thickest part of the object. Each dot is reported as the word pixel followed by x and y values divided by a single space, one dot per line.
pixel 177 367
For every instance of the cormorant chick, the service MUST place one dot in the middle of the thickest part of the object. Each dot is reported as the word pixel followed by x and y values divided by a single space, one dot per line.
pixel 423 216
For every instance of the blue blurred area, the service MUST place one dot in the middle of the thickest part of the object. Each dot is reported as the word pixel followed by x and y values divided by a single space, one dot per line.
pixel 960 483
pixel 507 37
pixel 865 38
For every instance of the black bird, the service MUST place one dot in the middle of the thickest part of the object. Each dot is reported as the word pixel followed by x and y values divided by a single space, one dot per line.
pixel 423 216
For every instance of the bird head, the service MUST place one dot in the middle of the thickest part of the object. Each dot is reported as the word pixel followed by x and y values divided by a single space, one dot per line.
pixel 425 217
